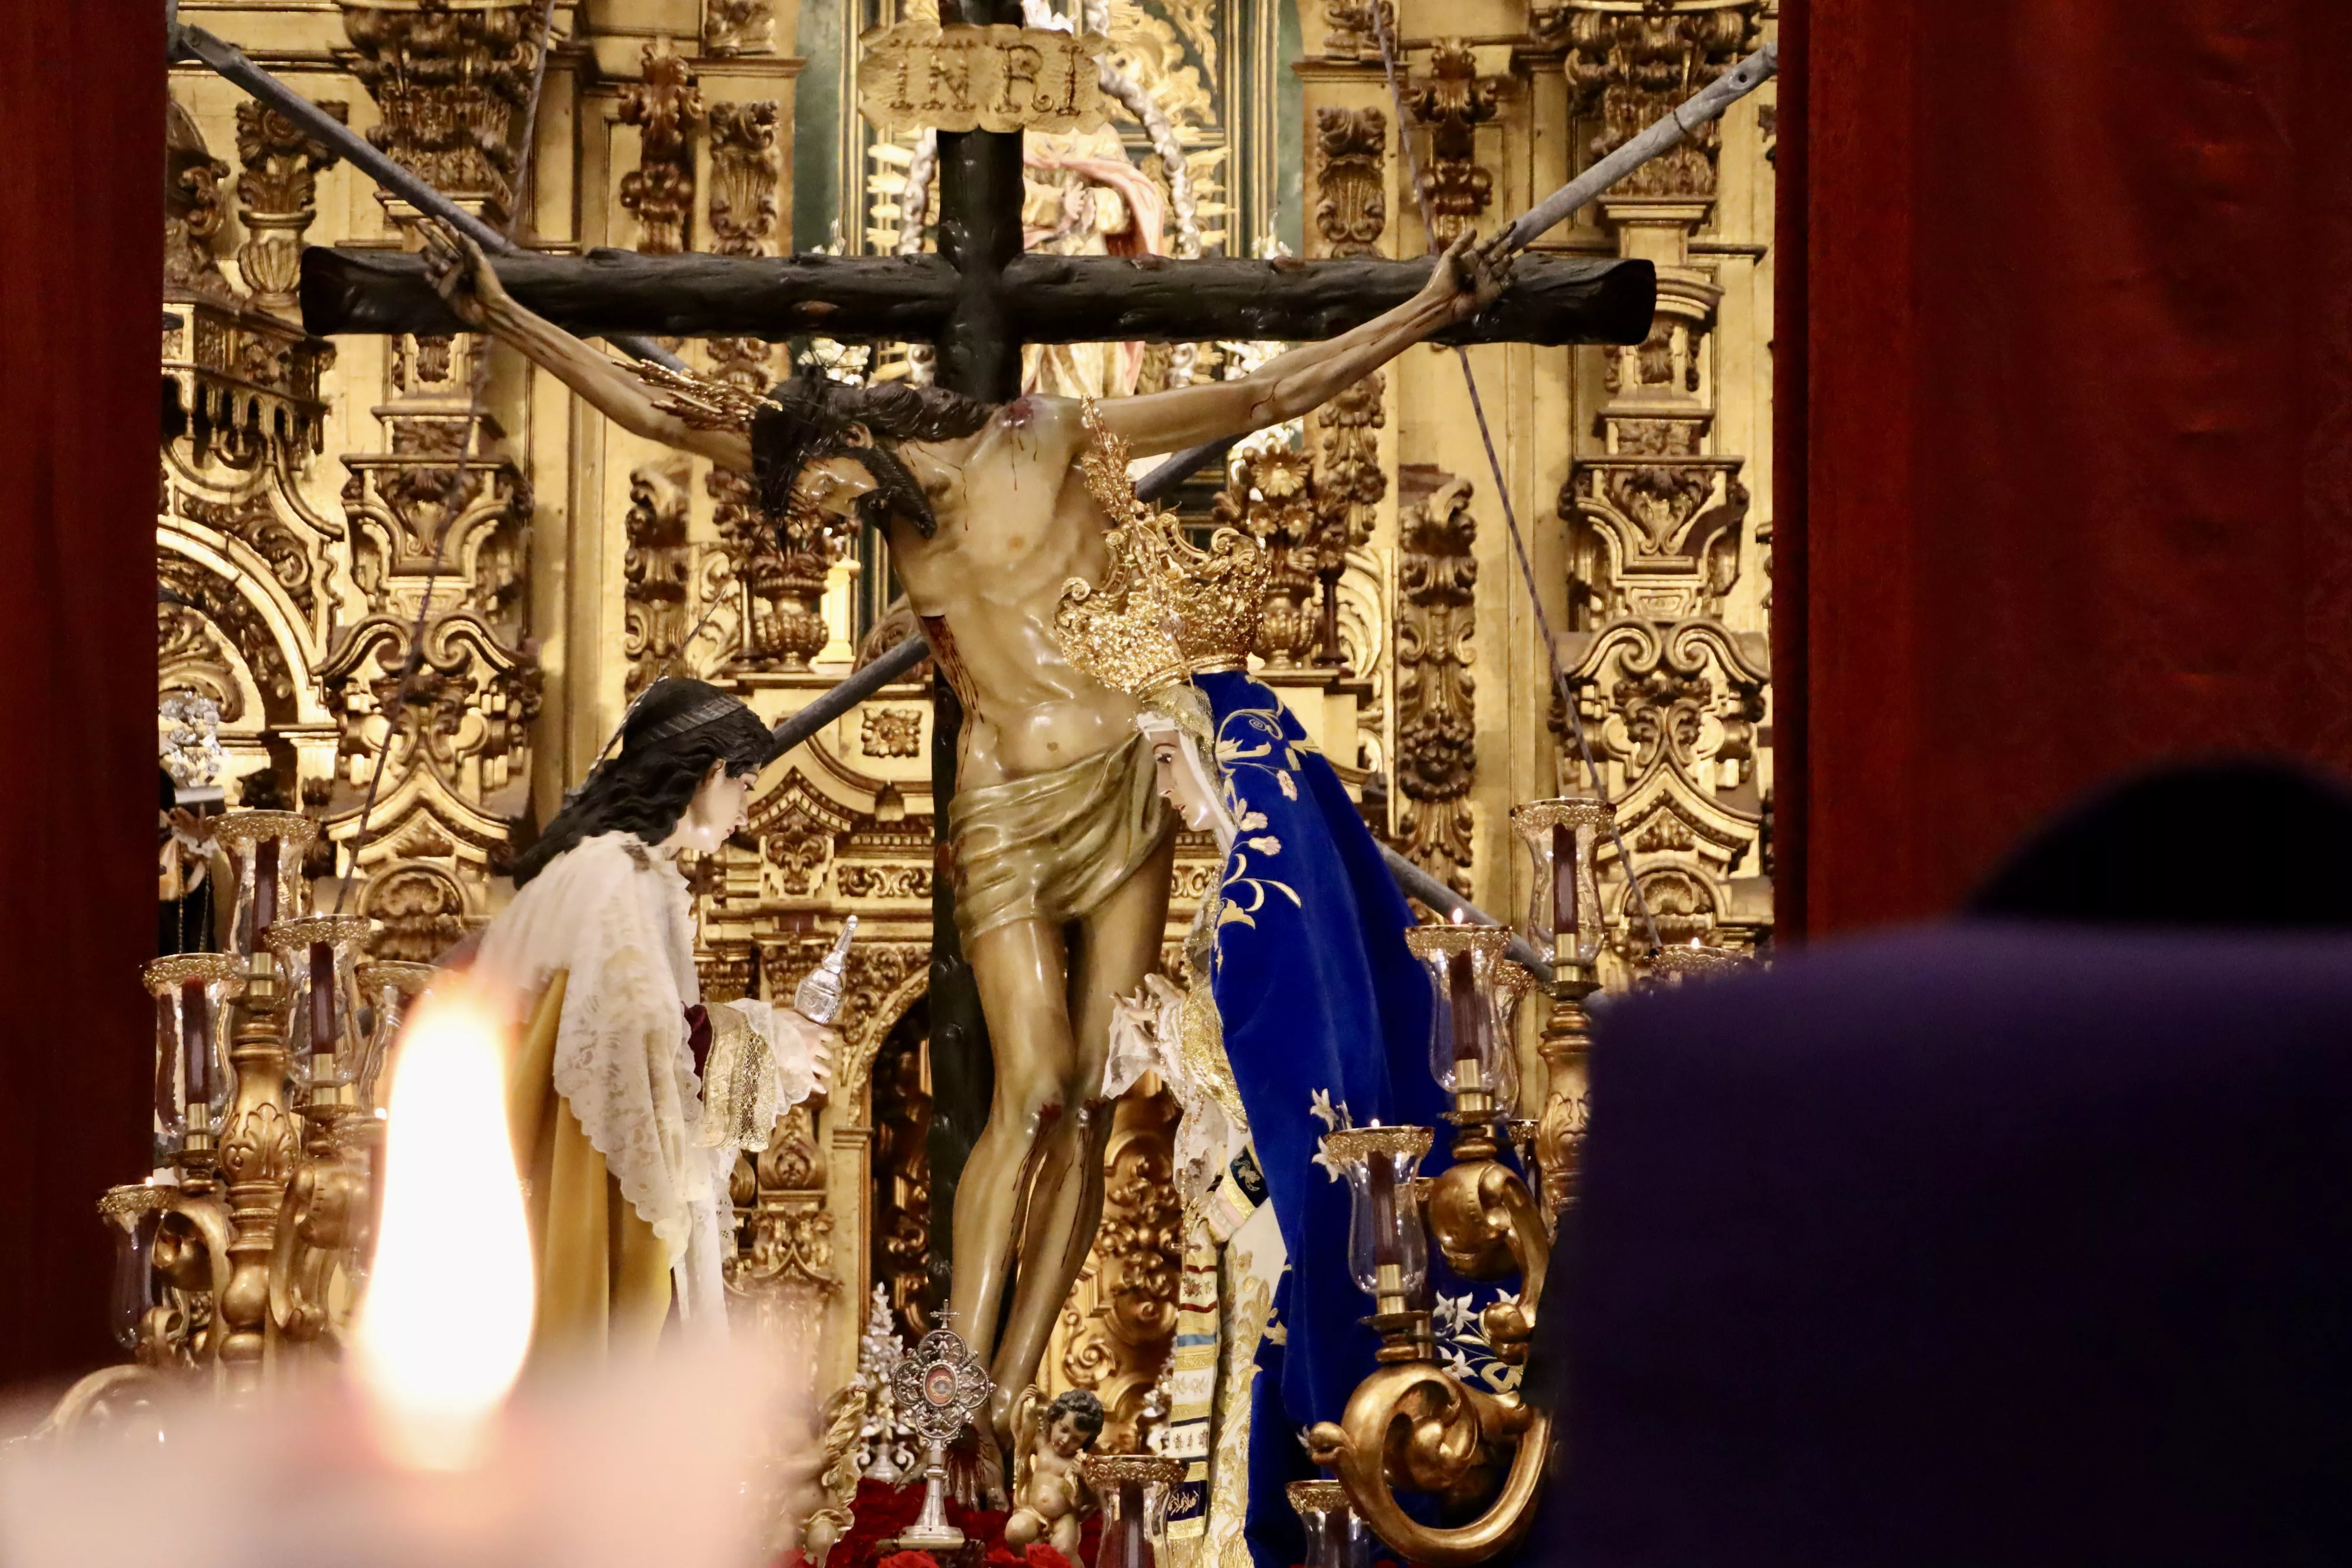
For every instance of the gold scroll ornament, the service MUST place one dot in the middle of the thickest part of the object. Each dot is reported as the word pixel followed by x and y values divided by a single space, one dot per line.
pixel 918 75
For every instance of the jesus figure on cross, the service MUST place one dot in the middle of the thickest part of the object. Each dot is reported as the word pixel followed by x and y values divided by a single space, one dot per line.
pixel 1062 847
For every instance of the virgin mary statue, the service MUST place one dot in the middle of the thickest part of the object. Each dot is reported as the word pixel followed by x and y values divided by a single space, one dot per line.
pixel 627 1098
pixel 1306 1013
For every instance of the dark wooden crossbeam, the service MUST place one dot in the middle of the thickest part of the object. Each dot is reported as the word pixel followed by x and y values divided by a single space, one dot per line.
pixel 1034 297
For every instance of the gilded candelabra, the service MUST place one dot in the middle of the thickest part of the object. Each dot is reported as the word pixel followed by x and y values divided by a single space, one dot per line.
pixel 1412 1425
pixel 1565 920
pixel 242 1252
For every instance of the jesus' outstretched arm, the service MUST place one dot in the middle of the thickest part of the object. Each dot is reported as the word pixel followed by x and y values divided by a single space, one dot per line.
pixel 465 278
pixel 1465 280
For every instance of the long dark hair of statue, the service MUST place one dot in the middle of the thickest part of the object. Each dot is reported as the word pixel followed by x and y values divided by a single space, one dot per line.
pixel 646 786
pixel 808 419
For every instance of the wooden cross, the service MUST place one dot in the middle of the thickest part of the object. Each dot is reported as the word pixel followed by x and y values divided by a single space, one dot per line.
pixel 978 300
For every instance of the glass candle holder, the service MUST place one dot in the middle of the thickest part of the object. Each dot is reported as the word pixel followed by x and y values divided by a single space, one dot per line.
pixel 1679 964
pixel 1513 982
pixel 316 956
pixel 1336 1538
pixel 1470 1048
pixel 387 991
pixel 192 992
pixel 264 852
pixel 1563 838
pixel 133 1211
pixel 1387 1251
pixel 1135 1490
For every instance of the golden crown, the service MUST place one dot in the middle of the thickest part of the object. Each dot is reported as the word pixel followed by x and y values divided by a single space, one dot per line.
pixel 1166 610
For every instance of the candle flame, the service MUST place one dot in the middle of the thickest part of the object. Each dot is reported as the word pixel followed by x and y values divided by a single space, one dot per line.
pixel 1459 919
pixel 447 1316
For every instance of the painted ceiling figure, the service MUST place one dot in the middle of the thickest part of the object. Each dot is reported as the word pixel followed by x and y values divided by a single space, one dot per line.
pixel 1061 846
pixel 627 1098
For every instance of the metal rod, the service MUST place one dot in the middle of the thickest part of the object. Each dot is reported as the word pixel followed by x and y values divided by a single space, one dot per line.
pixel 860 685
pixel 1162 481
pixel 1688 117
pixel 196 44
pixel 1421 885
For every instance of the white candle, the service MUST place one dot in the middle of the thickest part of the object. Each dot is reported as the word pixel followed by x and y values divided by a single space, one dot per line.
pixel 447 1320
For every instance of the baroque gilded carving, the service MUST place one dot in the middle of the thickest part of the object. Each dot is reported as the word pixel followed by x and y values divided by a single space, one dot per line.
pixel 422 910
pixel 450 84
pixel 739 27
pixel 890 732
pixel 666 108
pixel 436 541
pixel 1673 711
pixel 1354 28
pixel 1672 697
pixel 1631 66
pixel 882 979
pixel 1453 101
pixel 656 572
pixel 1658 536
pixel 861 881
pixel 1350 484
pixel 193 211
pixel 902 1176
pixel 1269 496
pixel 274 199
pixel 785 1235
pixel 1350 208
pixel 250 576
pixel 1348 481
pixel 1437 576
pixel 743 173
pixel 779 571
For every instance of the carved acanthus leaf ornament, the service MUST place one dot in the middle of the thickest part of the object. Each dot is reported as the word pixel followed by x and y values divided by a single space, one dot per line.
pixel 666 108
pixel 1437 578
pixel 1451 101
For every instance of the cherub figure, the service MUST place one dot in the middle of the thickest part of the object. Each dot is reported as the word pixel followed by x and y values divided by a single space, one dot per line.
pixel 1050 1498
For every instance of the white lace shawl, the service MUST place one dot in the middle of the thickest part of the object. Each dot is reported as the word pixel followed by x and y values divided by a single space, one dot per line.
pixel 617 916
pixel 1145 1029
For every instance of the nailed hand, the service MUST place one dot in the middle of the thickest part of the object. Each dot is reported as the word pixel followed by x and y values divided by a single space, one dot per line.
pixel 461 274
pixel 1472 273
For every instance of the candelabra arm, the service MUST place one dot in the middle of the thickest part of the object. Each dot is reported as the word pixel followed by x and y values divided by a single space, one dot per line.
pixel 323 1224
pixel 1486 1221
pixel 191 1255
pixel 1415 1424
pixel 95 1392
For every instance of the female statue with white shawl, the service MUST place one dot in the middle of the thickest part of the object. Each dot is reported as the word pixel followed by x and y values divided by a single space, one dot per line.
pixel 1305 1012
pixel 627 1098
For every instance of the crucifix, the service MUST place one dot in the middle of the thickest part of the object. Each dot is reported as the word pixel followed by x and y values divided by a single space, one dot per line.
pixel 1060 847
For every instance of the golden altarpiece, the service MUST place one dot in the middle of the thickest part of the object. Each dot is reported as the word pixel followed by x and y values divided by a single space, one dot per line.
pixel 307 522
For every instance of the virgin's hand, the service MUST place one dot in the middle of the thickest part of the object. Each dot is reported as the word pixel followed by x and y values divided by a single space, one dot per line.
pixel 461 274
pixel 822 1051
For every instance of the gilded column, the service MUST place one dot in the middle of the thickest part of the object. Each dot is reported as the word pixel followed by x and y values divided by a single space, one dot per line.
pixel 1666 630
pixel 438 518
